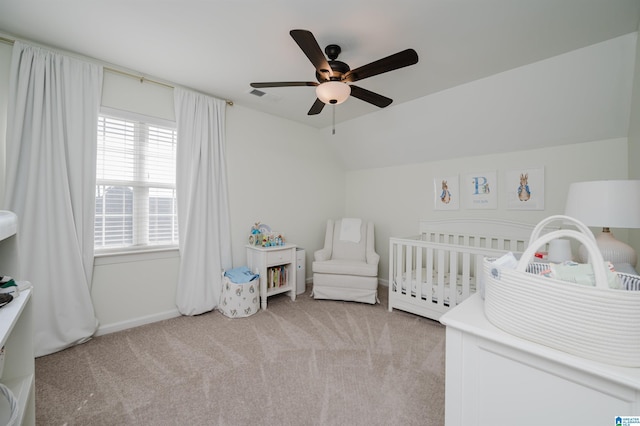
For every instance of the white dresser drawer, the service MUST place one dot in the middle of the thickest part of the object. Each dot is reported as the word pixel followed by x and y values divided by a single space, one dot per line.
pixel 279 257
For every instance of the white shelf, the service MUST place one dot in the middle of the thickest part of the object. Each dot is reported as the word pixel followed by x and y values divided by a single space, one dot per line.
pixel 10 313
pixel 278 290
pixel 22 390
pixel 16 331
pixel 8 224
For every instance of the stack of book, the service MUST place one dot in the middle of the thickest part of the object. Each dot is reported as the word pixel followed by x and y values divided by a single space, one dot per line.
pixel 277 276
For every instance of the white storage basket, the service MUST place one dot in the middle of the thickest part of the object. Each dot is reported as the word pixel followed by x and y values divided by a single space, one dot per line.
pixel 598 323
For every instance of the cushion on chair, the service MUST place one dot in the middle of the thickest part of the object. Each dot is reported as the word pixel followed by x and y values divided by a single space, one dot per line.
pixel 345 267
pixel 346 249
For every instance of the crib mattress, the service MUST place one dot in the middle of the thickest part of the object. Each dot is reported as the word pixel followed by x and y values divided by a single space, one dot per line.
pixel 413 282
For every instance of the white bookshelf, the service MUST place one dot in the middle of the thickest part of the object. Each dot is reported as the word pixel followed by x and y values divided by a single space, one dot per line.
pixel 16 331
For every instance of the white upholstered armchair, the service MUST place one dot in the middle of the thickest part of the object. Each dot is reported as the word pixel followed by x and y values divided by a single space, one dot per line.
pixel 347 267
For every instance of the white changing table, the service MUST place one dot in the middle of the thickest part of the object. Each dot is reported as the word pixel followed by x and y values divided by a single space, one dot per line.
pixel 494 378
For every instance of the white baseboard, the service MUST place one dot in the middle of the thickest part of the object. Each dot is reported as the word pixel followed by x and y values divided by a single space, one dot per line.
pixel 136 322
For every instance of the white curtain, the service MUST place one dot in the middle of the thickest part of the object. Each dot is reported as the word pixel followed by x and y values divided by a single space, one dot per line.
pixel 51 149
pixel 203 207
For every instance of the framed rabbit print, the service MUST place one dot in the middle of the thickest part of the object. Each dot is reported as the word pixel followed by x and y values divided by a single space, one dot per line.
pixel 447 193
pixel 525 189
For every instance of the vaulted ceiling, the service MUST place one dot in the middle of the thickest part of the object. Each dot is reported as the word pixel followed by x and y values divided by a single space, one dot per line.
pixel 220 46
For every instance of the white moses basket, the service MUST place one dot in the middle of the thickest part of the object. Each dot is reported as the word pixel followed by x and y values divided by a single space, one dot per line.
pixel 598 323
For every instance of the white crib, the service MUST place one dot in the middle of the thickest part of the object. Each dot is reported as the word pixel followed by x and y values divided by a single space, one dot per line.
pixel 439 268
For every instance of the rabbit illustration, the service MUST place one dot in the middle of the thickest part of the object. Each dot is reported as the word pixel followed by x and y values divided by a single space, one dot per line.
pixel 523 190
pixel 445 196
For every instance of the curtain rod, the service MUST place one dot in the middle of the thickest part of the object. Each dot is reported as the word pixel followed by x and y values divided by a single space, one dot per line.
pixel 128 74
pixel 143 79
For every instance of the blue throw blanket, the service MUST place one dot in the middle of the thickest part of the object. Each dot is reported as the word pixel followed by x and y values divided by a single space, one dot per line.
pixel 240 275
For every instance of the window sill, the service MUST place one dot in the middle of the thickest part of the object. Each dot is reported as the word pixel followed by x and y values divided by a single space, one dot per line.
pixel 113 257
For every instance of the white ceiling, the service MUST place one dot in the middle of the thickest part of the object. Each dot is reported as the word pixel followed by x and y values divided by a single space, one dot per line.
pixel 220 46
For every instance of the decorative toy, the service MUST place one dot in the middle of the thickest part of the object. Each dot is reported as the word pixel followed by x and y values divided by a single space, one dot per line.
pixel 261 235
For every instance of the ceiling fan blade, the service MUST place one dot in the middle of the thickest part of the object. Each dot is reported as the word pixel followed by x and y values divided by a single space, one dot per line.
pixel 316 108
pixel 310 47
pixel 369 96
pixel 284 84
pixel 390 63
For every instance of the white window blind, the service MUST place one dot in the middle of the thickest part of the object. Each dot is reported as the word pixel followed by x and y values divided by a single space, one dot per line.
pixel 135 184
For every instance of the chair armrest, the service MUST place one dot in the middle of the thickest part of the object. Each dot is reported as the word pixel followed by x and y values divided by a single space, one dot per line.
pixel 373 258
pixel 325 253
pixel 322 255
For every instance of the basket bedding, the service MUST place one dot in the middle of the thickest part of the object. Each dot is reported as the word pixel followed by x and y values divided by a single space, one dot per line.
pixel 628 282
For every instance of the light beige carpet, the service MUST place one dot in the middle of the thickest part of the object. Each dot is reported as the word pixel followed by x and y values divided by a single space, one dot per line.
pixel 307 362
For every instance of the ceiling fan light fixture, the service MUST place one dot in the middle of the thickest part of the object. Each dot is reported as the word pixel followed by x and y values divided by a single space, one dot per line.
pixel 333 92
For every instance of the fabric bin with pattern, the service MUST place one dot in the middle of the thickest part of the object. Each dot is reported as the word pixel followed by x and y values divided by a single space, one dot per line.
pixel 241 298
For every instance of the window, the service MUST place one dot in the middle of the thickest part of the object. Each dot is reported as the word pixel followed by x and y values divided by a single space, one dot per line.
pixel 135 183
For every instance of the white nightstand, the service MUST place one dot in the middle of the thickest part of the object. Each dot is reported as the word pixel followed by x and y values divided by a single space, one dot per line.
pixel 277 268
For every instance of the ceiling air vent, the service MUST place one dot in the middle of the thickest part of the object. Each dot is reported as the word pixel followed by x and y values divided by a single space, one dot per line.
pixel 264 96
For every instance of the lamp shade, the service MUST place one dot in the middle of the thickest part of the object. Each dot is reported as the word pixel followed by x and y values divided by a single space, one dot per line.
pixel 333 92
pixel 605 203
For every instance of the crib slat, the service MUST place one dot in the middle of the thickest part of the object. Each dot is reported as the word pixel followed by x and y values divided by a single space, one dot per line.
pixel 407 272
pixel 419 282
pixel 429 273
pixel 453 274
pixel 398 266
pixel 465 278
pixel 440 281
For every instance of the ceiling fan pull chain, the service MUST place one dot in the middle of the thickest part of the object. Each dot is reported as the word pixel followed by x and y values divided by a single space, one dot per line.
pixel 334 119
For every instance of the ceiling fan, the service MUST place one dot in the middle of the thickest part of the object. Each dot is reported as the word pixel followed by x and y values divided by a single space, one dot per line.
pixel 334 77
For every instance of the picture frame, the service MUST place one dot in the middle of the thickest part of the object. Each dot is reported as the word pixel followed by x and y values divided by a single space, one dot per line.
pixel 524 188
pixel 480 190
pixel 446 191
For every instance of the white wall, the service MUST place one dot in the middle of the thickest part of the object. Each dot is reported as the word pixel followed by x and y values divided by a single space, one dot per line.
pixel 571 110
pixel 144 97
pixel 132 290
pixel 397 198
pixel 580 96
pixel 282 174
pixel 634 138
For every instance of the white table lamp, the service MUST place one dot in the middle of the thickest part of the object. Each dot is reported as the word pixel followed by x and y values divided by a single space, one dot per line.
pixel 607 204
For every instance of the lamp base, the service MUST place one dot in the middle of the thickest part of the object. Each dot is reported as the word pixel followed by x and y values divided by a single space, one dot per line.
pixel 613 250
